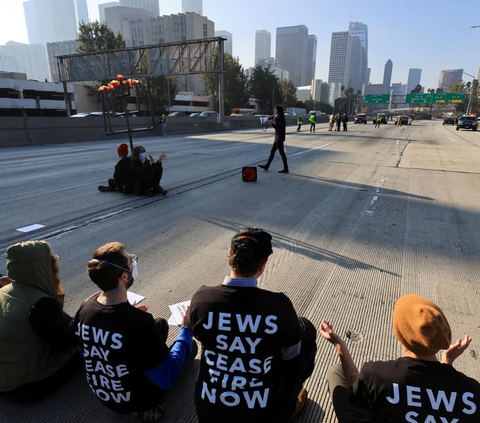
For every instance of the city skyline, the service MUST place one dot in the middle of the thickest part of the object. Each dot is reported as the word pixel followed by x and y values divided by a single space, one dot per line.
pixel 385 30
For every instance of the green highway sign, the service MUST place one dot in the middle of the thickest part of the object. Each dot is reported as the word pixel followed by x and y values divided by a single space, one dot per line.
pixel 441 98
pixel 418 98
pixel 377 98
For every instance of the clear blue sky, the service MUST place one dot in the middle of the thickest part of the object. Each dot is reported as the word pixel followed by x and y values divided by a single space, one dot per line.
pixel 427 34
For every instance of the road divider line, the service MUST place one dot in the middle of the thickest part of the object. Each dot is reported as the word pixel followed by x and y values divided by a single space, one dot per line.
pixel 312 149
pixel 31 228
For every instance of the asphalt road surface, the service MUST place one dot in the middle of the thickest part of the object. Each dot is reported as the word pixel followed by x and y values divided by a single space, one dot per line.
pixel 364 217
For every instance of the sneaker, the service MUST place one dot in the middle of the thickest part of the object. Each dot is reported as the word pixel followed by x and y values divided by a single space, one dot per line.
pixel 154 415
pixel 149 193
pixel 264 167
pixel 102 188
pixel 300 406
pixel 283 171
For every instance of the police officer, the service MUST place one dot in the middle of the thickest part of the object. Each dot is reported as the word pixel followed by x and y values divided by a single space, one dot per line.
pixel 313 121
pixel 299 122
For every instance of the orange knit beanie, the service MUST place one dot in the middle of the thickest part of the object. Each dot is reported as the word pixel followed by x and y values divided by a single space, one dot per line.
pixel 420 325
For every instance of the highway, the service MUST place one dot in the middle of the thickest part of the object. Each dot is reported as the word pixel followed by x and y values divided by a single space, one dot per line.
pixel 364 217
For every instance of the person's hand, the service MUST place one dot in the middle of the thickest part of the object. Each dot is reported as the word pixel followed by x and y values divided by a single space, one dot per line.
pixel 185 316
pixel 142 307
pixel 456 350
pixel 326 330
pixel 5 280
pixel 162 156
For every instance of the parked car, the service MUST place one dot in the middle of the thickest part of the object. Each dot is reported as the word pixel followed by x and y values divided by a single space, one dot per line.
pixel 360 119
pixel 195 115
pixel 208 114
pixel 406 120
pixel 449 121
pixel 178 114
pixel 288 114
pixel 467 122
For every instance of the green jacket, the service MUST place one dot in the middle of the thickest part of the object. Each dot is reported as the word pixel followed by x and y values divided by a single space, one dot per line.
pixel 299 120
pixel 312 119
pixel 24 356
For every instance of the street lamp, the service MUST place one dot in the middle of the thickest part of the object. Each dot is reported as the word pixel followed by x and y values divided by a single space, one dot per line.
pixel 470 96
pixel 273 98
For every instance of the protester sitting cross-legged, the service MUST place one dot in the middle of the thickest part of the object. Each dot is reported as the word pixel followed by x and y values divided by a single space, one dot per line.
pixel 414 388
pixel 124 177
pixel 148 172
pixel 129 366
pixel 256 352
pixel 37 345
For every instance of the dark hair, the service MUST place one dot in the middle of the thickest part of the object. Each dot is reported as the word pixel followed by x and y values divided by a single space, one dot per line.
pixel 136 152
pixel 104 275
pixel 279 109
pixel 244 267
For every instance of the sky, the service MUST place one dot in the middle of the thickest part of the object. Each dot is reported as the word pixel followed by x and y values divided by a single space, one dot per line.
pixel 427 34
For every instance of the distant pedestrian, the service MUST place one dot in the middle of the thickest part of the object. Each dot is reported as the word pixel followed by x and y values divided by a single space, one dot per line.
pixel 280 129
pixel 299 123
pixel 163 125
pixel 344 121
pixel 313 121
pixel 338 121
pixel 378 122
pixel 331 122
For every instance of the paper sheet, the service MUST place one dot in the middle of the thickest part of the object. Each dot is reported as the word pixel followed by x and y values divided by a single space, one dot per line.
pixel 178 311
pixel 134 298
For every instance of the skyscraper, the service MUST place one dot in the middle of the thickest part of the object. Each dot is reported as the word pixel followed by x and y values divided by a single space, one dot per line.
pixel 449 77
pixel 291 52
pixel 50 20
pixel 103 6
pixel 263 45
pixel 228 45
pixel 387 76
pixel 149 5
pixel 7 60
pixel 414 76
pixel 340 52
pixel 59 48
pixel 30 59
pixel 81 11
pixel 195 6
pixel 359 64
pixel 311 59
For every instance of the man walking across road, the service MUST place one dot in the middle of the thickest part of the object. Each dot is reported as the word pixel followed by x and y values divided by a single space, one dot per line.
pixel 280 130
pixel 299 123
pixel 256 352
pixel 414 388
pixel 313 121
pixel 344 121
pixel 378 121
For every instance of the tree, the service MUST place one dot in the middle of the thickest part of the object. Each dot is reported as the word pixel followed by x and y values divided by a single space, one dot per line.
pixel 159 86
pixel 264 85
pixel 417 89
pixel 439 90
pixel 289 93
pixel 95 36
pixel 235 84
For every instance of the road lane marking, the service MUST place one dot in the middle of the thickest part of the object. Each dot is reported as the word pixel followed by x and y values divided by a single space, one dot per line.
pixel 225 149
pixel 30 228
pixel 312 149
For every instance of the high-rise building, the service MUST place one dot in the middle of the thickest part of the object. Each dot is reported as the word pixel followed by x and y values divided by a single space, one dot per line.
pixel 335 91
pixel 311 59
pixel 194 6
pixel 263 45
pixel 340 53
pixel 7 60
pixel 414 76
pixel 448 78
pixel 81 11
pixel 103 6
pixel 359 61
pixel 51 20
pixel 291 52
pixel 387 76
pixel 369 71
pixel 228 45
pixel 130 22
pixel 320 90
pixel 59 48
pixel 30 59
pixel 152 6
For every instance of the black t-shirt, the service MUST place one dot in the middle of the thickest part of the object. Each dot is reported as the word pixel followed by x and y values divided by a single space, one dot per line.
pixel 119 343
pixel 124 175
pixel 410 390
pixel 280 126
pixel 242 331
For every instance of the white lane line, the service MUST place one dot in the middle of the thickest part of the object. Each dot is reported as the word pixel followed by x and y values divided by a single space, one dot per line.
pixel 30 228
pixel 375 198
pixel 312 149
pixel 398 142
pixel 451 139
pixel 225 149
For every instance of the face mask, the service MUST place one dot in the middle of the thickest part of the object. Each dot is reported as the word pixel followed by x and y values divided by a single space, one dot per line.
pixel 142 157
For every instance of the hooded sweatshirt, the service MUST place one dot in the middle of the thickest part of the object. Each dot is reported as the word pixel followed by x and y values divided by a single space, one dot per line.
pixel 24 355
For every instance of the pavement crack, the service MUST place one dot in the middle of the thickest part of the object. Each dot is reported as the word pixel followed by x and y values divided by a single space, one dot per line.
pixel 401 154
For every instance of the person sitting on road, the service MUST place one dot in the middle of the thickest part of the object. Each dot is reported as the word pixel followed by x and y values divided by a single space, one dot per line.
pixel 123 177
pixel 37 345
pixel 414 388
pixel 256 352
pixel 129 366
pixel 148 172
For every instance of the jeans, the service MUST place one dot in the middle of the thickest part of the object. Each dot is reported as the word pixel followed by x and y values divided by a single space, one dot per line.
pixel 277 145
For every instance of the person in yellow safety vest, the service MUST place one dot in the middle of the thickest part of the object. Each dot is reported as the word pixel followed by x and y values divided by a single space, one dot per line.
pixel 378 122
pixel 313 121
pixel 299 123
